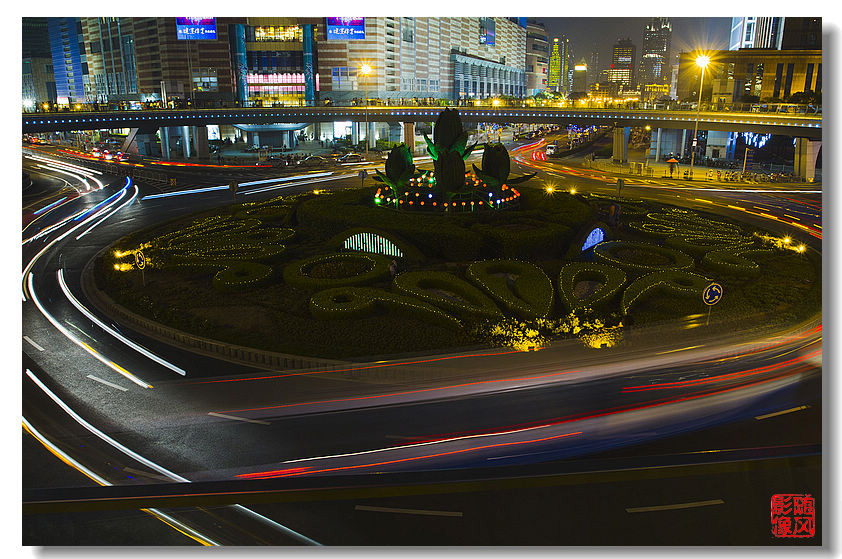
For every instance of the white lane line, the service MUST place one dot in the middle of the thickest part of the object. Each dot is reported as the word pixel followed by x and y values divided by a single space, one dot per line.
pixel 409 511
pixel 222 415
pixel 105 382
pixel 777 413
pixel 36 346
pixel 677 506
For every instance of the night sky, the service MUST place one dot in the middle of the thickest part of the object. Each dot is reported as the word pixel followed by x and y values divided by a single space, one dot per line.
pixel 688 33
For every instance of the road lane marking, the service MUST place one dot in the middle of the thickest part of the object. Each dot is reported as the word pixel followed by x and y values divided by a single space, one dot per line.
pixel 222 415
pixel 408 511
pixel 777 413
pixel 677 506
pixel 680 349
pixel 36 346
pixel 150 475
pixel 105 382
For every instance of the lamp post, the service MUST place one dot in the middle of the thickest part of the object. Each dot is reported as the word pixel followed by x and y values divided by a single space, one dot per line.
pixel 702 61
pixel 366 70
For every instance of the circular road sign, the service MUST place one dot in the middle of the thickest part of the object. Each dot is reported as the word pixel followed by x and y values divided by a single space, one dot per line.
pixel 140 260
pixel 712 294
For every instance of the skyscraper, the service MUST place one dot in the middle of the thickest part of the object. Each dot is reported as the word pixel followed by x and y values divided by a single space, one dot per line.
pixel 537 53
pixel 622 64
pixel 559 65
pixel 756 33
pixel 654 55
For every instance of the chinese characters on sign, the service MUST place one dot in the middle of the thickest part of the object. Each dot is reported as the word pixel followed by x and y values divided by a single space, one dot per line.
pixel 346 28
pixel 195 27
pixel 793 516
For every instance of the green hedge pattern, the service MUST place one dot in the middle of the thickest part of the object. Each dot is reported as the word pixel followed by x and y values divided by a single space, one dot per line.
pixel 240 276
pixel 673 282
pixel 734 261
pixel 530 295
pixel 359 302
pixel 611 278
pixel 296 273
pixel 469 302
pixel 606 252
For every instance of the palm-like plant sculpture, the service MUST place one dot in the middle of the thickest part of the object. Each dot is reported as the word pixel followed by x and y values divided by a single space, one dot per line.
pixel 449 149
pixel 496 166
pixel 399 170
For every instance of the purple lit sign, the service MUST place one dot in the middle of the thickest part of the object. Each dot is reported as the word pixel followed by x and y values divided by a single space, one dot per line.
pixel 195 27
pixel 344 28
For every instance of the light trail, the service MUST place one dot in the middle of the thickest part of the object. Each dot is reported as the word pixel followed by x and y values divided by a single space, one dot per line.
pixel 47 207
pixel 392 394
pixel 137 347
pixel 75 464
pixel 150 464
pixel 110 364
pixel 115 210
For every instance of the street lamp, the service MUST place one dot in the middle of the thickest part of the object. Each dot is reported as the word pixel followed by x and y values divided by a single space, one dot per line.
pixel 366 69
pixel 701 61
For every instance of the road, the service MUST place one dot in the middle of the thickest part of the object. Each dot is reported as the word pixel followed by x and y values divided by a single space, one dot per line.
pixel 514 408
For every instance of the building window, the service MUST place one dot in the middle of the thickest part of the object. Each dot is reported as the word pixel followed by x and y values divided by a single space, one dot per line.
pixel 790 69
pixel 808 80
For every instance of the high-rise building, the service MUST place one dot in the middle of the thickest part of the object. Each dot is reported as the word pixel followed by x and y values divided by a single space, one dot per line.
pixel 580 79
pixel 756 33
pixel 68 51
pixel 451 58
pixel 38 84
pixel 110 54
pixel 559 65
pixel 622 64
pixel 654 55
pixel 801 33
pixel 537 57
pixel 593 66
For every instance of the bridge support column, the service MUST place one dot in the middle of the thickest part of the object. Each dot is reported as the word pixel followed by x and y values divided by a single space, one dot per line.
pixel 370 136
pixel 657 142
pixel 355 133
pixel 409 135
pixel 806 154
pixel 202 148
pixel 145 144
pixel 621 145
pixel 164 132
pixel 292 141
pixel 185 141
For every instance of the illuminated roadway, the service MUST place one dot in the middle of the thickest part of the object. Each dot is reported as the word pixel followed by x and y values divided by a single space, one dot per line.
pixel 221 420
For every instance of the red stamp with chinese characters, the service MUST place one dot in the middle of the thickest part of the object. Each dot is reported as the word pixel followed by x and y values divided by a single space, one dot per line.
pixel 793 516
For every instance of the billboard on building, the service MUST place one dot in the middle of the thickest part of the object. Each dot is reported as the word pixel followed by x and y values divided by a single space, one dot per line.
pixel 486 31
pixel 195 27
pixel 344 28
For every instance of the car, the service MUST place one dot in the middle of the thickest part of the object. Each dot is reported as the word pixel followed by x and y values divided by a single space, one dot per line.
pixel 313 160
pixel 551 149
pixel 120 156
pixel 351 158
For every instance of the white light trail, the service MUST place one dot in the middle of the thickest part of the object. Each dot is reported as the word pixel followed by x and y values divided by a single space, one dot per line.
pixel 140 349
pixel 110 364
pixel 115 210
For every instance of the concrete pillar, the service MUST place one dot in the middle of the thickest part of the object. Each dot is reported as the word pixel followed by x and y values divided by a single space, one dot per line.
pixel 621 145
pixel 292 141
pixel 370 136
pixel 683 141
pixel 355 133
pixel 655 145
pixel 185 141
pixel 202 148
pixel 806 155
pixel 164 132
pixel 409 135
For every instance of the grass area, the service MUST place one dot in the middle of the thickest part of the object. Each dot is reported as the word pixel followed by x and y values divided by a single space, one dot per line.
pixel 448 300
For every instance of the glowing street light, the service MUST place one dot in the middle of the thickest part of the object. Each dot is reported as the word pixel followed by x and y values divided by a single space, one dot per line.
pixel 702 61
pixel 366 69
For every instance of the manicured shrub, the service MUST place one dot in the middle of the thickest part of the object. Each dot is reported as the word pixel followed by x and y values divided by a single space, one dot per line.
pixel 447 292
pixel 611 278
pixel 374 267
pixel 670 282
pixel 733 261
pixel 641 257
pixel 361 302
pixel 529 296
pixel 241 276
pixel 531 239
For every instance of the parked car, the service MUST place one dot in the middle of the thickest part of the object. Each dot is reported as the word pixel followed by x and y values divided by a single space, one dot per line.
pixel 313 160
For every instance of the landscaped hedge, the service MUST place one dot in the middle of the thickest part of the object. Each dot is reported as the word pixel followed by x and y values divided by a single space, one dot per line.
pixel 672 282
pixel 467 301
pixel 297 273
pixel 241 276
pixel 700 245
pixel 530 294
pixel 611 278
pixel 361 302
pixel 526 240
pixel 607 252
pixel 732 261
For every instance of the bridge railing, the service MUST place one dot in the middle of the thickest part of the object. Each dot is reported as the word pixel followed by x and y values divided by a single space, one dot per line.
pixel 768 108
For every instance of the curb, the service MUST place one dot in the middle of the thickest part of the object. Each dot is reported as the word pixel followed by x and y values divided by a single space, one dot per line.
pixel 196 344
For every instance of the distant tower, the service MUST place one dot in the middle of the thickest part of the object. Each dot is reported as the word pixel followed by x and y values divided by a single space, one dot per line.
pixel 654 56
pixel 555 67
pixel 622 64
pixel 756 33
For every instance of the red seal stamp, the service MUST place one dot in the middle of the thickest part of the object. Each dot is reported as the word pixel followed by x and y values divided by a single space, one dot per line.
pixel 793 516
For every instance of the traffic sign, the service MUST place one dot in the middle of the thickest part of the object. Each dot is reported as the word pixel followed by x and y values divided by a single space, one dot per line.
pixel 363 174
pixel 140 260
pixel 712 294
